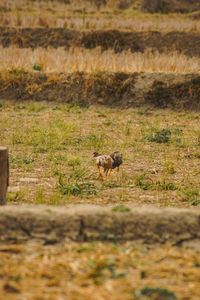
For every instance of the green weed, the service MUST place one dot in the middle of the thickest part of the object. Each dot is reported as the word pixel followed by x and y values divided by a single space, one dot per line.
pixel 52 136
pixel 84 249
pixel 95 141
pixel 55 199
pixel 143 274
pixel 16 196
pixel 104 269
pixel 20 162
pixel 40 196
pixel 35 107
pixel 73 162
pixel 159 136
pixel 76 184
pixel 163 185
pixel 127 130
pixel 192 196
pixel 121 208
pixel 109 123
pixel 170 167
pixel 143 181
pixel 156 292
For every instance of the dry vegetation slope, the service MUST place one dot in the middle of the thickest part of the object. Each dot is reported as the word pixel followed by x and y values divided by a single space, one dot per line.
pixel 121 89
pixel 187 43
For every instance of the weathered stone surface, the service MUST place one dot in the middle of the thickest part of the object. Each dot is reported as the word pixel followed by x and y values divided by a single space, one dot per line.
pixel 143 225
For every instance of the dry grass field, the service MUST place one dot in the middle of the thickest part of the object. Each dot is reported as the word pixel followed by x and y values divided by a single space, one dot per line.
pixel 94 60
pixel 84 15
pixel 125 22
pixel 51 144
pixel 98 271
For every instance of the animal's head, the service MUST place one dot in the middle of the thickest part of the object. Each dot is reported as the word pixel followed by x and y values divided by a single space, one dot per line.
pixel 95 154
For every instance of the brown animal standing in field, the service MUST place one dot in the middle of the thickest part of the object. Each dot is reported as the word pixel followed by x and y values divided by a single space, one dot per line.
pixel 108 162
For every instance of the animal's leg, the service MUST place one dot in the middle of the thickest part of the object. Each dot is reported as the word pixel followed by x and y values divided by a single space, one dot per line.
pixel 100 175
pixel 106 173
pixel 109 172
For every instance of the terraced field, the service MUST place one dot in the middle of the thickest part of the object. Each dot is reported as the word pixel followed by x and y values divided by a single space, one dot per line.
pixel 85 76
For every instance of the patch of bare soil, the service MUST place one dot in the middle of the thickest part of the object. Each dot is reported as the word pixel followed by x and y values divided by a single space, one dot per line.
pixel 181 91
pixel 187 43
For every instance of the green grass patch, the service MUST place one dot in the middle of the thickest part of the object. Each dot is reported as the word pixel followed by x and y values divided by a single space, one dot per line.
pixel 155 293
pixel 121 208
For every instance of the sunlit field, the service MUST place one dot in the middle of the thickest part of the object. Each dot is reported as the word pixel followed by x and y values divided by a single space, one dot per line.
pixel 52 156
pixel 153 120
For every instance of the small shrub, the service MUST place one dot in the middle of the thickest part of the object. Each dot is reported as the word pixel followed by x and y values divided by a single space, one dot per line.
pixel 75 185
pixel 75 188
pixel 37 67
pixel 159 136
